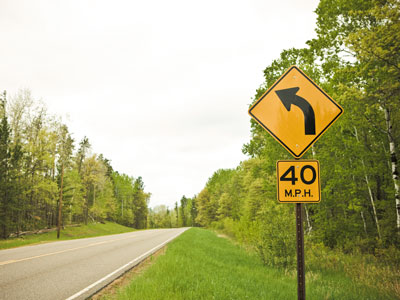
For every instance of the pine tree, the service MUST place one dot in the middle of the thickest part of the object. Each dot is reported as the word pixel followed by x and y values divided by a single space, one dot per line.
pixel 5 155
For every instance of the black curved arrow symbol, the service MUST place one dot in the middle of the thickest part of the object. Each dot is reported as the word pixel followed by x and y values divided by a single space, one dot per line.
pixel 289 97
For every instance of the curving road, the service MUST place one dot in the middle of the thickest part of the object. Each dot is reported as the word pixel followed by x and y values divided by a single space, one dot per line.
pixel 75 269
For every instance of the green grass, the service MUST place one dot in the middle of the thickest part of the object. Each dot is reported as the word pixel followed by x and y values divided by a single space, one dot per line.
pixel 200 265
pixel 69 233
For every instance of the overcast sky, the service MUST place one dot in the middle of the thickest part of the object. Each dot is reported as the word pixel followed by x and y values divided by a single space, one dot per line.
pixel 161 88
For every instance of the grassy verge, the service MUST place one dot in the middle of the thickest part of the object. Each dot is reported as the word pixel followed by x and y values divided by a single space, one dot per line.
pixel 380 271
pixel 69 233
pixel 200 265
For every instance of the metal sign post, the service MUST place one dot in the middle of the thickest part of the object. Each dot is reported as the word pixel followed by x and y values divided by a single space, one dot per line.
pixel 301 280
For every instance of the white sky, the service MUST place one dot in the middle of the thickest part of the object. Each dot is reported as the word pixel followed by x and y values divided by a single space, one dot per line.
pixel 161 88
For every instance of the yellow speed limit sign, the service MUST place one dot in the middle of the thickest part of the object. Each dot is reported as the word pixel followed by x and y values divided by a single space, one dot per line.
pixel 298 181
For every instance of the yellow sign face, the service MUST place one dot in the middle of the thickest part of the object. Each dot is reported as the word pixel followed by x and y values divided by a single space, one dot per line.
pixel 298 181
pixel 295 111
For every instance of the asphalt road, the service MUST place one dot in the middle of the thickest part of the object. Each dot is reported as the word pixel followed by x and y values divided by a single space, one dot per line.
pixel 75 269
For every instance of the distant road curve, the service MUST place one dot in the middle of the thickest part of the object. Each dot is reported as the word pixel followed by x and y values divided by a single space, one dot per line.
pixel 75 269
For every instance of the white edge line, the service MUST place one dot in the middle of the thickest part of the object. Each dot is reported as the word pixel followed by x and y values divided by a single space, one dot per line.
pixel 121 268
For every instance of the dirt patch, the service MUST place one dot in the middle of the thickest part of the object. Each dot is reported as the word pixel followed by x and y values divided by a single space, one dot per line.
pixel 110 291
pixel 224 236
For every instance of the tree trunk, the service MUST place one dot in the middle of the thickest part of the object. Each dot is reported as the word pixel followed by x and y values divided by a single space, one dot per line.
pixel 94 195
pixel 5 214
pixel 393 160
pixel 371 196
pixel 86 212
pixel 60 202
pixel 309 226
pixel 364 223
pixel 70 207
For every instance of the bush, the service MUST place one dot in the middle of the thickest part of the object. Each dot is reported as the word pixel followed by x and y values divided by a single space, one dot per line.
pixel 276 236
pixel 271 234
pixel 380 271
pixel 389 256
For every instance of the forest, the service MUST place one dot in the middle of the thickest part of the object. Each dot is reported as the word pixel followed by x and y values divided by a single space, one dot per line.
pixel 41 164
pixel 355 58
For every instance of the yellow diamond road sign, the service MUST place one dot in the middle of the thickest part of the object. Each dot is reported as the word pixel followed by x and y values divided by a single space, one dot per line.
pixel 295 111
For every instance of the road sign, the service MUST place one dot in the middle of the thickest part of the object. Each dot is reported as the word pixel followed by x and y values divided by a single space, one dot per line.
pixel 298 181
pixel 295 111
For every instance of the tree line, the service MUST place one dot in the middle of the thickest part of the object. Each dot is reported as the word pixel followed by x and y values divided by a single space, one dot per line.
pixel 355 58
pixel 43 172
pixel 183 214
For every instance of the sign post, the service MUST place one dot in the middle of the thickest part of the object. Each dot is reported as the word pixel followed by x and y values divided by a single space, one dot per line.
pixel 301 277
pixel 296 112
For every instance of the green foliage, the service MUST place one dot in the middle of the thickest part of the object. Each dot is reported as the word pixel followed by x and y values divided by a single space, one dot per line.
pixel 131 201
pixel 5 184
pixel 73 195
pixel 274 235
pixel 380 270
pixel 160 217
pixel 262 224
pixel 37 161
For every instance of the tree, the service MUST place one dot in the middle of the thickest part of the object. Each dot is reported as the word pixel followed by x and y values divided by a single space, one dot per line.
pixel 84 147
pixel 5 156
pixel 378 52
pixel 65 148
pixel 92 172
pixel 140 202
pixel 176 214
pixel 73 195
pixel 205 209
pixel 193 211
pixel 367 33
pixel 183 208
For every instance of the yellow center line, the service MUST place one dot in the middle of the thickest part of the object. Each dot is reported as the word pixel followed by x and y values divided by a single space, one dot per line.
pixel 58 252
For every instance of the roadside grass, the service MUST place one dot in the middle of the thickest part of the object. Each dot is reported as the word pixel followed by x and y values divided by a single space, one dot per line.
pixel 200 265
pixel 380 271
pixel 69 233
